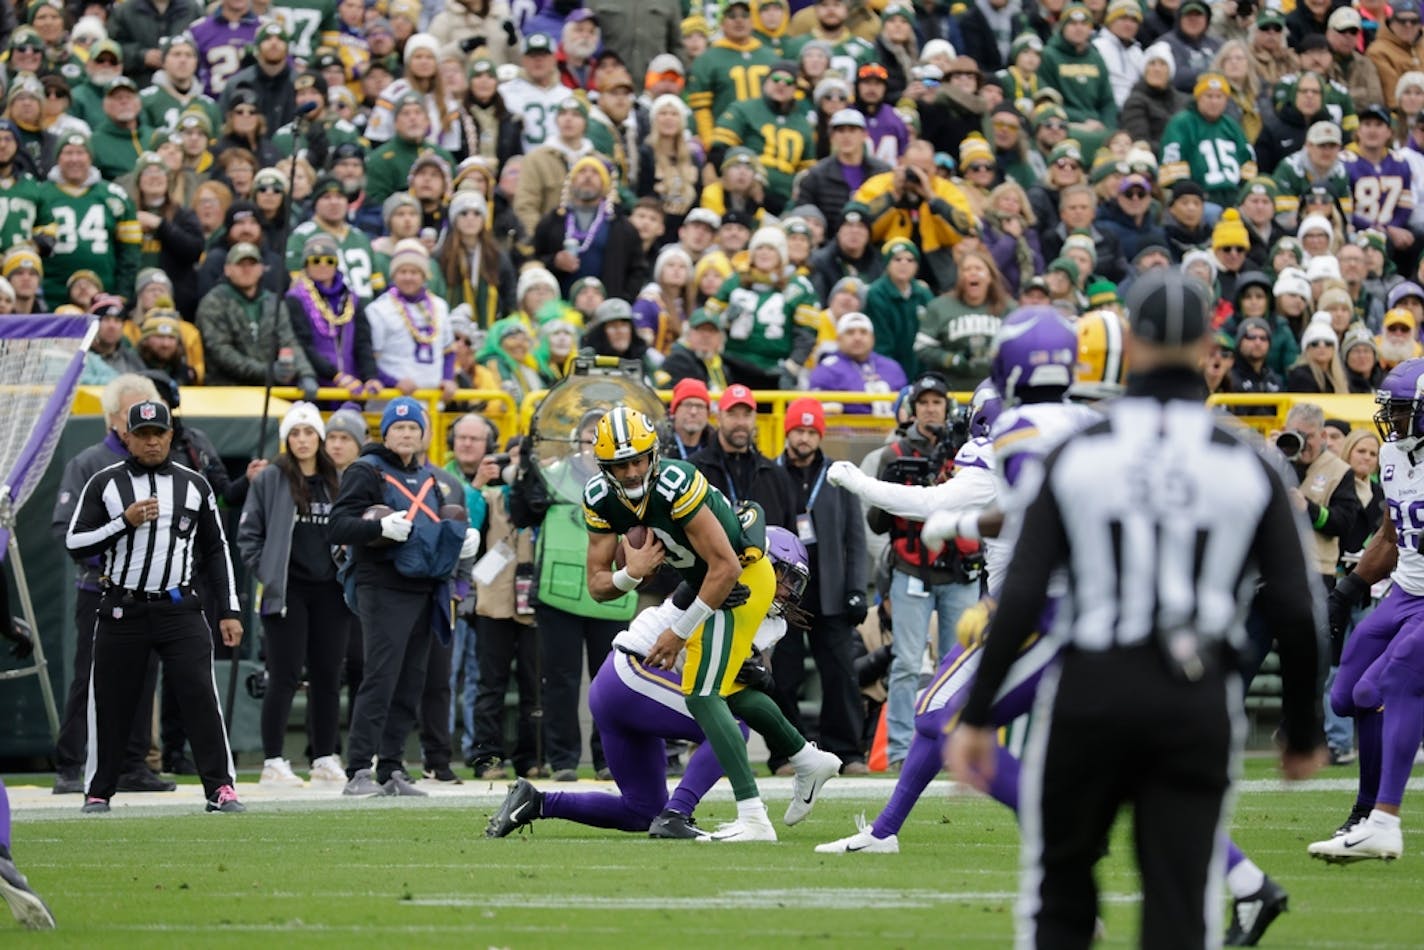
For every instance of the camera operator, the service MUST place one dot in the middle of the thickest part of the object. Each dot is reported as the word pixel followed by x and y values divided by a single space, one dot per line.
pixel 921 583
pixel 1327 487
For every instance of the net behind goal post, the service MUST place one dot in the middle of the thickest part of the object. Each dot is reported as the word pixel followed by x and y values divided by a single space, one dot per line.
pixel 41 359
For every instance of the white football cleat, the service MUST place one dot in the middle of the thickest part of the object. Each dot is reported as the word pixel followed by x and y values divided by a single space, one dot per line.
pixel 861 841
pixel 328 768
pixel 1369 840
pixel 808 781
pixel 744 829
pixel 277 773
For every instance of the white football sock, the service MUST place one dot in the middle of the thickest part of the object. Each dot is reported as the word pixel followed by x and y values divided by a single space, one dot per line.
pixel 751 808
pixel 805 758
pixel 1245 879
pixel 1383 819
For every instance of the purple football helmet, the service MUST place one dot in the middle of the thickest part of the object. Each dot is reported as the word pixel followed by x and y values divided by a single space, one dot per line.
pixel 1035 347
pixel 793 567
pixel 984 407
pixel 1400 397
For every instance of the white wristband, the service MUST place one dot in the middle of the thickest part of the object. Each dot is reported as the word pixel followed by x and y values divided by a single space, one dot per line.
pixel 624 581
pixel 968 527
pixel 692 618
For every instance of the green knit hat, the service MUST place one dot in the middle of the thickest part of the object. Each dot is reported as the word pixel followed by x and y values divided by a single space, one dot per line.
pixel 898 245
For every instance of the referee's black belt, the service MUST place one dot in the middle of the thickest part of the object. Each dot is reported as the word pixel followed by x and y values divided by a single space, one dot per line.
pixel 123 595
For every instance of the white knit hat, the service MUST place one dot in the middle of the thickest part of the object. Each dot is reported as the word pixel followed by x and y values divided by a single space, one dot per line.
pixel 420 41
pixel 1323 267
pixel 466 200
pixel 1316 222
pixel 301 414
pixel 1319 329
pixel 1292 280
pixel 1200 256
pixel 531 278
pixel 1162 51
pixel 671 252
pixel 770 237
pixel 668 99
pixel 410 252
pixel 936 48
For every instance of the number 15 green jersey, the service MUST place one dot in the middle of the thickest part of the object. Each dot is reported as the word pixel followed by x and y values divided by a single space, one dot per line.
pixel 674 497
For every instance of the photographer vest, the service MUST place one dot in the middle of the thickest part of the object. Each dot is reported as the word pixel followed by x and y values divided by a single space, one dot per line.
pixel 1320 481
pixel 562 556
pixel 496 600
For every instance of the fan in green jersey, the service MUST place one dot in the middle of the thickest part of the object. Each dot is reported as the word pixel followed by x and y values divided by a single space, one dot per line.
pixel 92 223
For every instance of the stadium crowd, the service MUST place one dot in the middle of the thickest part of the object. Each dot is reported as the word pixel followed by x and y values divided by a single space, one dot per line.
pixel 841 195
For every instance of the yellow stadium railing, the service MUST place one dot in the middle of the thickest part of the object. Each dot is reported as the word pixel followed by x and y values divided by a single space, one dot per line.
pixel 1266 412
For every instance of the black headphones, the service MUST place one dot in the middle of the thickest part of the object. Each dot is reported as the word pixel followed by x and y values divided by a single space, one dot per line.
pixel 927 383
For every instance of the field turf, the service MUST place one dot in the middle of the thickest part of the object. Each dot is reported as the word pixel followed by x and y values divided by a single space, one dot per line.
pixel 415 871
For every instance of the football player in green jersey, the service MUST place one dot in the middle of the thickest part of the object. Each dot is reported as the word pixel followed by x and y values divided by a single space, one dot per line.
pixel 692 527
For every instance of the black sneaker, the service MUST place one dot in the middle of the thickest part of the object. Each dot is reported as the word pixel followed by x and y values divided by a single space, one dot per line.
pixel 1250 916
pixel 442 773
pixel 522 805
pixel 95 806
pixel 674 824
pixel 24 903
pixel 179 765
pixel 68 782
pixel 144 780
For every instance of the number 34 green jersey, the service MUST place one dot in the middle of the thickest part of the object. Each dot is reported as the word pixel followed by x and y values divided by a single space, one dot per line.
pixel 674 497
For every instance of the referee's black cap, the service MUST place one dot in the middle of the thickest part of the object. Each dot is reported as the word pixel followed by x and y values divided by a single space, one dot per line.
pixel 1168 307
pixel 149 415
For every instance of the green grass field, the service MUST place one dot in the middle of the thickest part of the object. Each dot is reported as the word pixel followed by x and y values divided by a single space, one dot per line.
pixel 404 871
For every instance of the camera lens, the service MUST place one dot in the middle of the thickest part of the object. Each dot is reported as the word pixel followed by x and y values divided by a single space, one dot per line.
pixel 1289 444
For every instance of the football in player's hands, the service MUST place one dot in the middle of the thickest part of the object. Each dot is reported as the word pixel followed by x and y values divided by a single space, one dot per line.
pixel 648 557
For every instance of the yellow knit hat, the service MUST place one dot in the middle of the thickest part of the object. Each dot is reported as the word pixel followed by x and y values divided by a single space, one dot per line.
pixel 590 161
pixel 974 148
pixel 1229 231
pixel 1208 81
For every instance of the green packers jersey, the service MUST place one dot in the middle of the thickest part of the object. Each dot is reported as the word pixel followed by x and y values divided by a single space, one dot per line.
pixel 358 261
pixel 1215 155
pixel 761 318
pixel 309 24
pixel 19 207
pixel 161 109
pixel 846 57
pixel 786 143
pixel 94 228
pixel 723 75
pixel 673 498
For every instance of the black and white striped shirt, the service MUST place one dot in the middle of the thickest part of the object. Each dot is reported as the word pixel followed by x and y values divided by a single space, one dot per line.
pixel 158 555
pixel 1165 520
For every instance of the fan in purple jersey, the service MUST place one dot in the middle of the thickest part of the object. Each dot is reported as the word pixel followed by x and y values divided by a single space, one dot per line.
pixel 222 39
pixel 1381 678
pixel 1381 181
pixel 637 707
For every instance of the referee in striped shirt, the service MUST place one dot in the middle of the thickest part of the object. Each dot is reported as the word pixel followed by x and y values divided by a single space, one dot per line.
pixel 1162 520
pixel 148 519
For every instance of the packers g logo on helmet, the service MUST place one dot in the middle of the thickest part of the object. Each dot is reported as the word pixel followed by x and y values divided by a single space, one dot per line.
pixel 1102 357
pixel 624 435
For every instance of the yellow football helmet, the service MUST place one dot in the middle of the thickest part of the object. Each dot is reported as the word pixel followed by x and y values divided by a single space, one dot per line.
pixel 1102 357
pixel 624 435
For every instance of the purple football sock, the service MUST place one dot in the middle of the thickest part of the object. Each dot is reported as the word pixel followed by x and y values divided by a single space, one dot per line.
pixel 1369 726
pixel 703 771
pixel 599 809
pixel 4 814
pixel 921 765
pixel 1400 732
pixel 1005 786
pixel 1233 855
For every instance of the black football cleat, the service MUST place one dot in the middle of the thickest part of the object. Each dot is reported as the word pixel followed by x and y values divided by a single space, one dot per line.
pixel 674 824
pixel 521 806
pixel 1250 916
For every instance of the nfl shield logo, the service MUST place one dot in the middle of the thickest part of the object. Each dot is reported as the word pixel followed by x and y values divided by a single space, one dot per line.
pixel 148 411
pixel 402 410
pixel 184 522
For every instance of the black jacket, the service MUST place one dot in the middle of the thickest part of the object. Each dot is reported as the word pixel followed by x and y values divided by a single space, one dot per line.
pixel 1283 133
pixel 840 566
pixel 276 97
pixel 825 187
pixel 1110 262
pixel 180 247
pixel 758 479
pixel 361 487
pixel 829 265
pixel 365 367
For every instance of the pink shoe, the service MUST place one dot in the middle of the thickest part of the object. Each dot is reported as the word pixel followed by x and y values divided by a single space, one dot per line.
pixel 226 801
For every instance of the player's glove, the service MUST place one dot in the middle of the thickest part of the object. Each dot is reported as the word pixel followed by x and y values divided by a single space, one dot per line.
pixel 738 596
pixel 972 624
pixel 395 527
pixel 1348 593
pixel 754 673
pixel 857 607
pixel 844 474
